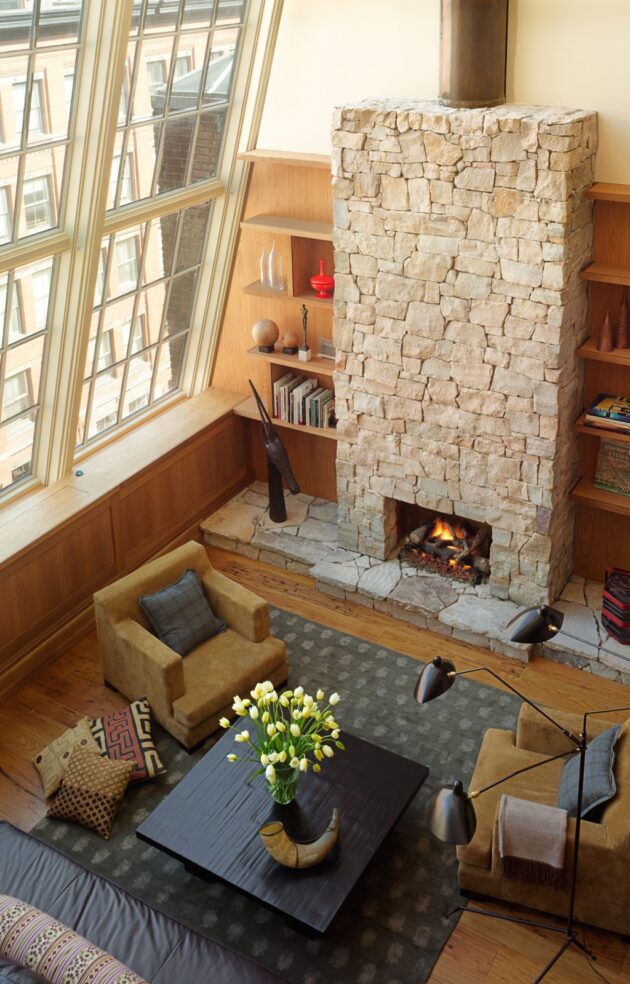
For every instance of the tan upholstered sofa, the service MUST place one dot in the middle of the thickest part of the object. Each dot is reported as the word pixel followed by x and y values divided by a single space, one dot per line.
pixel 603 887
pixel 188 695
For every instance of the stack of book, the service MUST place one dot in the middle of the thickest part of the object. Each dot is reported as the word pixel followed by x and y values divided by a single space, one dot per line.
pixel 301 400
pixel 609 412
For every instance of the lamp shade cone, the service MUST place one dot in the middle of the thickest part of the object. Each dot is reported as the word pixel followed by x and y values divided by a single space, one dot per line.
pixel 451 815
pixel 535 624
pixel 434 680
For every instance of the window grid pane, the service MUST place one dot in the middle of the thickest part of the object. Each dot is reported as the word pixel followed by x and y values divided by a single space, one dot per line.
pixel 38 49
pixel 180 66
pixel 24 294
pixel 142 315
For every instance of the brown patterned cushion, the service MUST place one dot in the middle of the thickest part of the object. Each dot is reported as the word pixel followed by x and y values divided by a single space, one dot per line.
pixel 52 761
pixel 34 940
pixel 91 791
pixel 126 734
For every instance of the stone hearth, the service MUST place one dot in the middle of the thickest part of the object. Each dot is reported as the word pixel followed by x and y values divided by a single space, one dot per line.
pixel 459 237
pixel 307 544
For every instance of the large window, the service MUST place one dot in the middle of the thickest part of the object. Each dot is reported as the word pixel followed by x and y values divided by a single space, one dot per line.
pixel 119 123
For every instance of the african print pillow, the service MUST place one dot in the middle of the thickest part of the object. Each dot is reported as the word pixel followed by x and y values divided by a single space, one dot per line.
pixel 126 734
pixel 91 791
pixel 52 761
pixel 46 947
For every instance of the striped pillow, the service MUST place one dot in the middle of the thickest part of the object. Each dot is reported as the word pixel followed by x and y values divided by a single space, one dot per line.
pixel 46 947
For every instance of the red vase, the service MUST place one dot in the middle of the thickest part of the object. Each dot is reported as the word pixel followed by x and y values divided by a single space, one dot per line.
pixel 322 283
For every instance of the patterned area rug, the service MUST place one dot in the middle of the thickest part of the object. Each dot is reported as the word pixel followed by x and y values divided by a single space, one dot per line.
pixel 394 923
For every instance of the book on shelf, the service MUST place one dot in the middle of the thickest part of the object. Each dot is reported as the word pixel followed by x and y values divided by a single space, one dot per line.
pixel 609 411
pixel 613 468
pixel 277 386
pixel 603 424
pixel 298 399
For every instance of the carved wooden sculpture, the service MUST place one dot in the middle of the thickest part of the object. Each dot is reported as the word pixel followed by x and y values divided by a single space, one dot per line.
pixel 293 854
pixel 278 466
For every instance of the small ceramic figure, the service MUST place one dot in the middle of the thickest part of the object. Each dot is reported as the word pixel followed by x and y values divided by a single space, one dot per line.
pixel 304 354
pixel 622 334
pixel 605 341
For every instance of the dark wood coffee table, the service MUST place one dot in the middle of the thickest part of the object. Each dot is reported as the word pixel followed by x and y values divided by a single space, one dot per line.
pixel 211 819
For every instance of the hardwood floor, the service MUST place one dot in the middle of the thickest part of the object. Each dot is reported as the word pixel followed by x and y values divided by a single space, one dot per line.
pixel 481 950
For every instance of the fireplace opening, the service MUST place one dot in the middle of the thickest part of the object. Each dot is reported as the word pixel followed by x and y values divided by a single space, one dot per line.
pixel 445 544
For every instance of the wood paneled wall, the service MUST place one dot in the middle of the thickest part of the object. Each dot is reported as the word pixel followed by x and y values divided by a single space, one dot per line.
pixel 47 589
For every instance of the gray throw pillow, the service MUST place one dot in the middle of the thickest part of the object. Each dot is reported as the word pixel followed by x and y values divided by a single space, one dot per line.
pixel 599 777
pixel 180 614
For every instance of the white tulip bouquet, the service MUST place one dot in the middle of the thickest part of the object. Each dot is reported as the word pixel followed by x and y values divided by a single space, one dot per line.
pixel 288 734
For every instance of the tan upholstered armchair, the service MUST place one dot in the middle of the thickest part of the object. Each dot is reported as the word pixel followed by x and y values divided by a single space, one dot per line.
pixel 603 886
pixel 188 695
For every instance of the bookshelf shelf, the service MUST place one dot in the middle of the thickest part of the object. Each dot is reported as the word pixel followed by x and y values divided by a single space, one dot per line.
pixel 323 367
pixel 608 434
pixel 618 357
pixel 259 290
pixel 249 409
pixel 607 273
pixel 612 502
pixel 283 225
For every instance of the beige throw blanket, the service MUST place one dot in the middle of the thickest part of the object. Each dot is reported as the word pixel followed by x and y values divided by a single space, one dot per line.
pixel 532 841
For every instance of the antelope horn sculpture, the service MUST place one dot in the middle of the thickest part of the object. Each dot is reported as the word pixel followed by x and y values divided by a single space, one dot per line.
pixel 293 854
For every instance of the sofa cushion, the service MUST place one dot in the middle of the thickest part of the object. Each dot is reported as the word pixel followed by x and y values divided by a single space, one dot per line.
pixel 91 790
pixel 220 668
pixel 52 761
pixel 37 941
pixel 599 776
pixel 180 614
pixel 126 734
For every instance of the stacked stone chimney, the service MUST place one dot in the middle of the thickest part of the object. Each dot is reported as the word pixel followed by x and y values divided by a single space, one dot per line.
pixel 459 237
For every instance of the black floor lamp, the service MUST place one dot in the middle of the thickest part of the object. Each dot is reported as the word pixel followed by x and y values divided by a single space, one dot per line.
pixel 450 811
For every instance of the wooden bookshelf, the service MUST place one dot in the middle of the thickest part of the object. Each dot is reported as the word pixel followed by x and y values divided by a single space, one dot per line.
pixel 284 225
pixel 586 493
pixel 607 273
pixel 259 290
pixel 249 409
pixel 287 158
pixel 618 357
pixel 323 367
pixel 580 425
pixel 602 528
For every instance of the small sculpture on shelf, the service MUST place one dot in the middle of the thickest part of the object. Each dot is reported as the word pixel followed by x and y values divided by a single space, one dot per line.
pixel 605 341
pixel 622 334
pixel 278 465
pixel 290 342
pixel 322 283
pixel 264 270
pixel 304 354
pixel 265 333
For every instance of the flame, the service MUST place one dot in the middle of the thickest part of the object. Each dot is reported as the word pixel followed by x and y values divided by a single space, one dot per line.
pixel 442 530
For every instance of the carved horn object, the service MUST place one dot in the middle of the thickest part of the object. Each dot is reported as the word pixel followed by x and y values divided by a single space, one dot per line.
pixel 278 465
pixel 293 854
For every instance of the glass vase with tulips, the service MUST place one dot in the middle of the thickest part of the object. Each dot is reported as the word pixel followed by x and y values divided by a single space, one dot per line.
pixel 287 734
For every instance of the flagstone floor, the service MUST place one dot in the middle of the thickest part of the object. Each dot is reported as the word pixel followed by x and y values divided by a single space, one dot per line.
pixel 307 544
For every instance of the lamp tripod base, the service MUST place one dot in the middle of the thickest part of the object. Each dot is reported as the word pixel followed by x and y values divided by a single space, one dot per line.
pixel 570 935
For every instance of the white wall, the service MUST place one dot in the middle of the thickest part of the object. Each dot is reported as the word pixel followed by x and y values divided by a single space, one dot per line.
pixel 561 52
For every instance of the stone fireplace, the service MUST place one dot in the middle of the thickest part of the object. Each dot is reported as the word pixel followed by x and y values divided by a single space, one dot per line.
pixel 459 237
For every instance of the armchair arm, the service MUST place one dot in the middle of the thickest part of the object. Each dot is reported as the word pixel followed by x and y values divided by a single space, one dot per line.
pixel 244 611
pixel 157 670
pixel 535 733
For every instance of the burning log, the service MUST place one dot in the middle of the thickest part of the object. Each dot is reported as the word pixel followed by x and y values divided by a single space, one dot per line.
pixel 478 539
pixel 451 547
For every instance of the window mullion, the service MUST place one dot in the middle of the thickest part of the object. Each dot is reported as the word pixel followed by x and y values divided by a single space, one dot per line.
pixel 99 80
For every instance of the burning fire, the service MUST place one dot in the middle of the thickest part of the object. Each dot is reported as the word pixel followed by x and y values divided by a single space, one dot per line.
pixel 442 530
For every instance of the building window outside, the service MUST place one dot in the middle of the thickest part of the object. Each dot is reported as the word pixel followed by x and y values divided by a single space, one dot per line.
pixel 183 65
pixel 40 285
pixel 104 423
pixel 105 351
pixel 16 394
pixel 156 73
pixel 68 87
pixel 37 210
pixel 5 216
pixel 127 263
pixel 36 122
pixel 126 186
